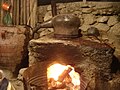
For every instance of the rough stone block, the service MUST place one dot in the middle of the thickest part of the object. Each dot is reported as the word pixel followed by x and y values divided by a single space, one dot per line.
pixel 91 59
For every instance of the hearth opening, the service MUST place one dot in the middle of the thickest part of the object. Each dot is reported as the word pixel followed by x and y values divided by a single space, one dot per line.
pixel 63 77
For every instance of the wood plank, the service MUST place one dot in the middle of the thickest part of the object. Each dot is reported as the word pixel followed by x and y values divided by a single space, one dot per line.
pixel 21 12
pixel 18 12
pixel 2 13
pixel 11 9
pixel 24 12
pixel 34 13
pixel 28 11
pixel 14 12
pixel 33 7
pixel 31 12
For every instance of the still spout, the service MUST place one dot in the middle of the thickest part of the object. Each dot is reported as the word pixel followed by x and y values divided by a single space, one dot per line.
pixel 45 24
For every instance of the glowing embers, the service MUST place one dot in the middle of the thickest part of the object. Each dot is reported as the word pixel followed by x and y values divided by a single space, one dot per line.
pixel 62 77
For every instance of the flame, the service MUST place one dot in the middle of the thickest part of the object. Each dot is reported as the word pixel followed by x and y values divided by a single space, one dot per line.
pixel 75 77
pixel 55 70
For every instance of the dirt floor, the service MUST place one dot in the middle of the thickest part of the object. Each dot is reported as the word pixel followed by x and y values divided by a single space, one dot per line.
pixel 17 84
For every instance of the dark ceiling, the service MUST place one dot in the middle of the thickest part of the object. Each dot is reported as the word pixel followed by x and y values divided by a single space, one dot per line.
pixel 46 2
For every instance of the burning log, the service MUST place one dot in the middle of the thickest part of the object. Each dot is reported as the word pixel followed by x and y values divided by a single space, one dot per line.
pixel 53 85
pixel 60 83
pixel 67 78
pixel 64 74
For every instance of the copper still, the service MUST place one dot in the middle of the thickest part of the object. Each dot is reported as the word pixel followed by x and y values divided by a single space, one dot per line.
pixel 65 25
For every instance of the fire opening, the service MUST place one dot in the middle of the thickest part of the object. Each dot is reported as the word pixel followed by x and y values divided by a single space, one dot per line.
pixel 61 77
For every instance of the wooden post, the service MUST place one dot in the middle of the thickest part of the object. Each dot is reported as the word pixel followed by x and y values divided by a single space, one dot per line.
pixel 21 12
pixel 18 13
pixel 14 12
pixel 33 12
pixel 24 12
pixel 84 1
pixel 28 11
pixel 53 6
pixel 11 9
pixel 2 13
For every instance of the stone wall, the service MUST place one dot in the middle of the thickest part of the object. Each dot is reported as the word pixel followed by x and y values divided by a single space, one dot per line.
pixel 103 15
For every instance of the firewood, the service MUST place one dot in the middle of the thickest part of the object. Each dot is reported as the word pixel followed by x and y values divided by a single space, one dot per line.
pixel 57 85
pixel 68 79
pixel 52 84
pixel 64 74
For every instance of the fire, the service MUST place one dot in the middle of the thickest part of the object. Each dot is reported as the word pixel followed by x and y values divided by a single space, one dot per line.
pixel 63 77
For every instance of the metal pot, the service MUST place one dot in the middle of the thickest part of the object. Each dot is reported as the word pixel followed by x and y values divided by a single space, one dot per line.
pixel 65 25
